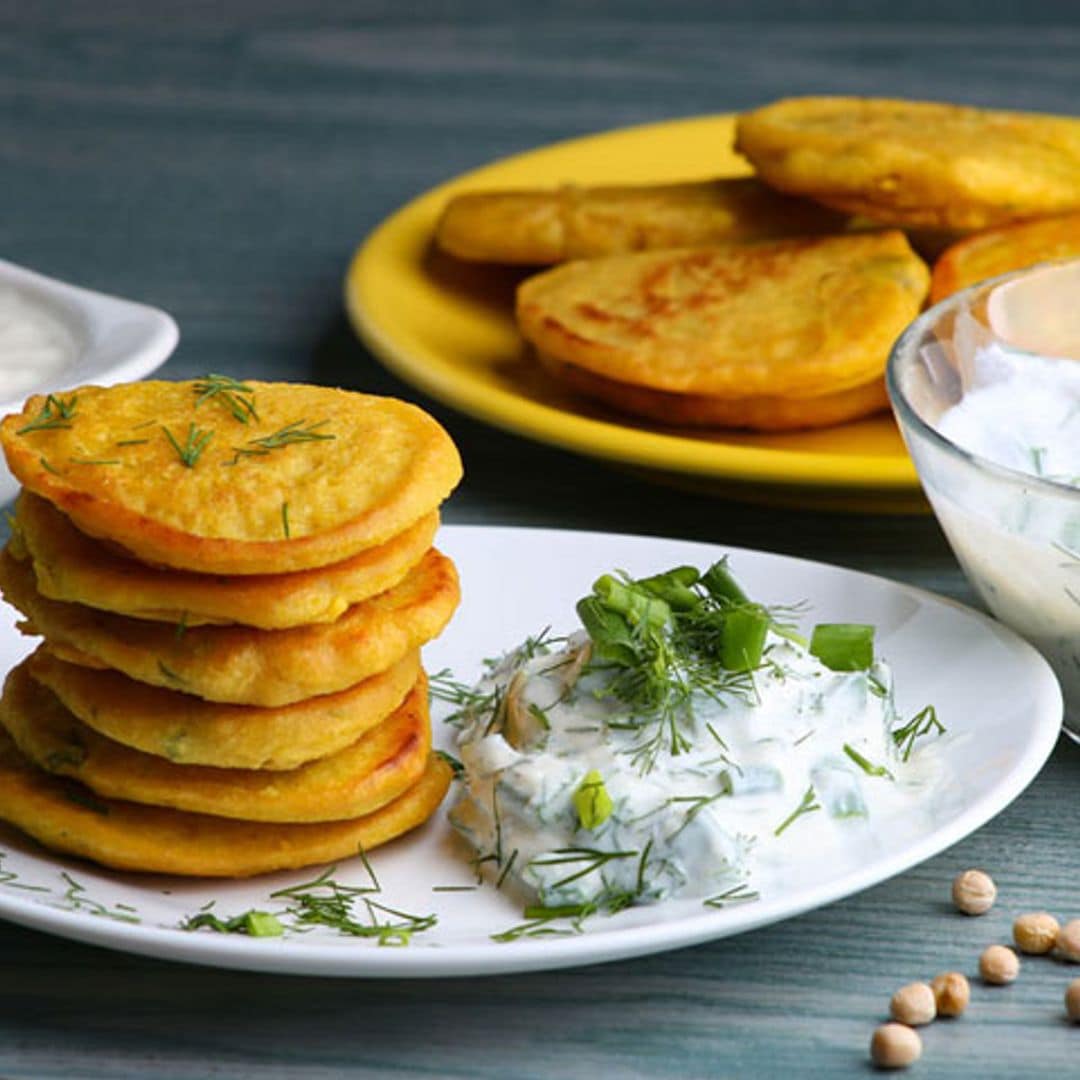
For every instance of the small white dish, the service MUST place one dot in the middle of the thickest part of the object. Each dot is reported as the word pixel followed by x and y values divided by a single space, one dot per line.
pixel 995 694
pixel 111 340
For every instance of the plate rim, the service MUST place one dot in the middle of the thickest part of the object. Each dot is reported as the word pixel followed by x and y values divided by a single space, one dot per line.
pixel 289 957
pixel 863 474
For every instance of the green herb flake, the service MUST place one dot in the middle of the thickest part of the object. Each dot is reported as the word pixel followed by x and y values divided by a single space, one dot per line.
pixel 924 722
pixel 236 396
pixel 195 443
pixel 808 805
pixel 55 413
pixel 866 765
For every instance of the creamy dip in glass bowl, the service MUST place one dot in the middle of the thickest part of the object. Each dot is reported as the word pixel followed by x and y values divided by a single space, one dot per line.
pixel 986 390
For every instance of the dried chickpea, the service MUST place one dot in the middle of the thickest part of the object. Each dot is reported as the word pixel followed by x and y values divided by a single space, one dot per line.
pixel 1035 932
pixel 999 965
pixel 974 892
pixel 895 1046
pixel 1072 1001
pixel 952 992
pixel 1068 941
pixel 913 1004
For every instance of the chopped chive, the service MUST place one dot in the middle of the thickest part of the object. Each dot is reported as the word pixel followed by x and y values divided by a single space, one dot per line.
pixel 285 519
pixel 94 461
pixel 49 468
pixel 132 442
pixel 843 646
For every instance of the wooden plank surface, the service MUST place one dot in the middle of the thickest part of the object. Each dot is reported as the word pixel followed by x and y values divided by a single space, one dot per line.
pixel 223 161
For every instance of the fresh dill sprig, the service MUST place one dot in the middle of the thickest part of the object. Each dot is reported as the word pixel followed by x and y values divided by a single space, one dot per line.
pixel 924 722
pixel 589 859
pixel 865 764
pixel 470 702
pixel 55 413
pixel 236 396
pixel 667 639
pixel 11 879
pixel 739 894
pixel 299 431
pixel 195 443
pixel 808 805
pixel 78 899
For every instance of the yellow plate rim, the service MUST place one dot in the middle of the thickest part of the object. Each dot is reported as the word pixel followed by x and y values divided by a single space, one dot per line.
pixel 439 377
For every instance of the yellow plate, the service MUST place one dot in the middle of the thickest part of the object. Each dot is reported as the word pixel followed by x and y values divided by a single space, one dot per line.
pixel 447 328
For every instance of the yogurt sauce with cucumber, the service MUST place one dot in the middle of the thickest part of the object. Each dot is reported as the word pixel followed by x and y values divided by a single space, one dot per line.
pixel 684 736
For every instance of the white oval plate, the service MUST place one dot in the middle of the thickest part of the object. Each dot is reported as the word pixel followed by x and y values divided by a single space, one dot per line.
pixel 115 340
pixel 995 694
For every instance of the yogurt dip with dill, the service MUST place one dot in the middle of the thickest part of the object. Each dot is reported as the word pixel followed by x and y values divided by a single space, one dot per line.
pixel 683 737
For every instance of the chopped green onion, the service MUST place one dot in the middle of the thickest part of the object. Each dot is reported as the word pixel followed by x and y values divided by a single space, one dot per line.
pixel 592 801
pixel 744 639
pixel 843 646
pixel 720 585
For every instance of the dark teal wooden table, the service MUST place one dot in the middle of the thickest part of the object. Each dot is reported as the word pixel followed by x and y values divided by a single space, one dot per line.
pixel 222 161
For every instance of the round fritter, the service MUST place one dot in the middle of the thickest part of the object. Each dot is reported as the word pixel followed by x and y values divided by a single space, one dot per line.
pixel 916 163
pixel 539 227
pixel 371 772
pixel 787 318
pixel 763 413
pixel 236 664
pixel 998 251
pixel 69 565
pixel 269 479
pixel 64 816
pixel 189 731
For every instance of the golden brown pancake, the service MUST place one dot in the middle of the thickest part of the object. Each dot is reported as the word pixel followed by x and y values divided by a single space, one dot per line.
pixel 310 477
pixel 236 664
pixel 762 413
pixel 64 816
pixel 790 318
pixel 542 227
pixel 69 565
pixel 371 772
pixel 998 251
pixel 916 164
pixel 189 731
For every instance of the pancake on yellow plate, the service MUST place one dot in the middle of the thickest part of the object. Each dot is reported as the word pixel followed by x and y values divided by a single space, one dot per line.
pixel 997 251
pixel 916 164
pixel 790 318
pixel 237 664
pixel 189 731
pixel 232 478
pixel 762 413
pixel 540 227
pixel 64 816
pixel 69 565
pixel 371 772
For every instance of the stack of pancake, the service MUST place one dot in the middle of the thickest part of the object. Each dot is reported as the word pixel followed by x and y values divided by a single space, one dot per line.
pixel 770 301
pixel 233 582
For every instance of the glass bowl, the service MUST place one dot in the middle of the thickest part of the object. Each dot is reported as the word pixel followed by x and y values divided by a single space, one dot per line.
pixel 986 390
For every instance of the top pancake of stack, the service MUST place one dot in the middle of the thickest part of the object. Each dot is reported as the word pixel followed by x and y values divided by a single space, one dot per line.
pixel 202 476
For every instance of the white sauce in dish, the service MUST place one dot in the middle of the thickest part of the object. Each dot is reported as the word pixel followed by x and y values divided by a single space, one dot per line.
pixel 1019 545
pixel 697 822
pixel 35 345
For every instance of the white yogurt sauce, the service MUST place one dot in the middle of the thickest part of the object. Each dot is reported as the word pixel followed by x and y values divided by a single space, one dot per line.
pixel 1020 546
pixel 35 345
pixel 696 822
